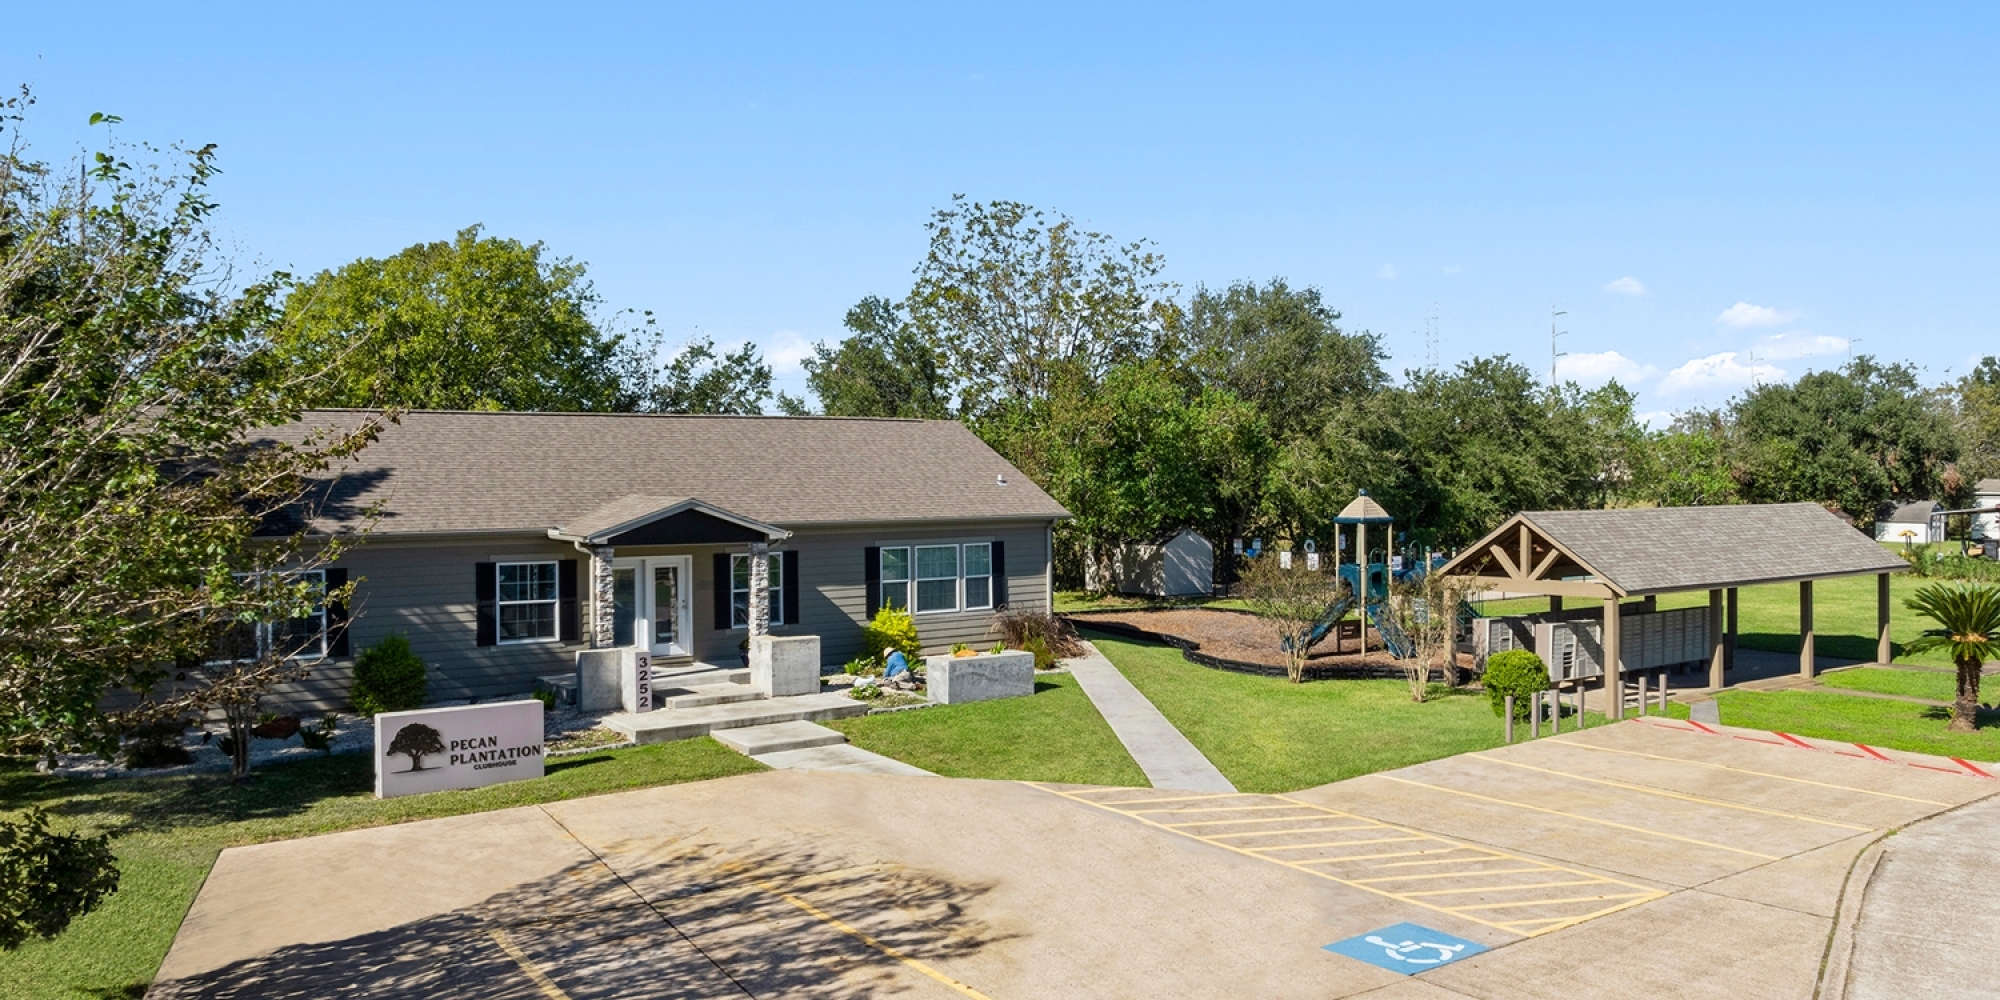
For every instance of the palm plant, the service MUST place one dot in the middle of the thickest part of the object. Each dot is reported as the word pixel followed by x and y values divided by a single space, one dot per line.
pixel 1968 621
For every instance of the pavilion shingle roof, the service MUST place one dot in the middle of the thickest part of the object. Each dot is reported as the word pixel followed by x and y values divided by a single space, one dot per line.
pixel 1663 549
pixel 449 471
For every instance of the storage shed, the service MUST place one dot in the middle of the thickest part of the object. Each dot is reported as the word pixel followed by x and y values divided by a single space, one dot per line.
pixel 1181 566
pixel 1910 522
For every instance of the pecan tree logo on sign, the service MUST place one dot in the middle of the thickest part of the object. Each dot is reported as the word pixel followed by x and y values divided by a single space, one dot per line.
pixel 416 741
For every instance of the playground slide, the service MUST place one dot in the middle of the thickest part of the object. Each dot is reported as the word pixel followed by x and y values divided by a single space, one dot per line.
pixel 1328 621
pixel 1394 639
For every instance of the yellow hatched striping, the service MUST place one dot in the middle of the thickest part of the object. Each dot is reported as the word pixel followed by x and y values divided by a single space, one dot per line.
pixel 1485 888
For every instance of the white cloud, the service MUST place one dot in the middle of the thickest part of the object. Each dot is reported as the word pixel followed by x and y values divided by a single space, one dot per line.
pixel 1743 314
pixel 1387 271
pixel 1595 369
pixel 785 350
pixel 1657 420
pixel 1799 344
pixel 1629 285
pixel 1718 372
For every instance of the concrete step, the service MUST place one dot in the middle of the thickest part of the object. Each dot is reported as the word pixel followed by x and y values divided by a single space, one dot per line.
pixel 701 695
pixel 838 757
pixel 683 724
pixel 777 737
pixel 686 676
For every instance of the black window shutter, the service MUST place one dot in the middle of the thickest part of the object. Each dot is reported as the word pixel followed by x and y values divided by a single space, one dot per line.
pixel 336 615
pixel 486 588
pixel 999 574
pixel 722 584
pixel 873 574
pixel 569 617
pixel 791 587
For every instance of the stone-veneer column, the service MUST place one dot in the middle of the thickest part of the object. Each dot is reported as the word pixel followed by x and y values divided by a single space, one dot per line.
pixel 603 598
pixel 760 588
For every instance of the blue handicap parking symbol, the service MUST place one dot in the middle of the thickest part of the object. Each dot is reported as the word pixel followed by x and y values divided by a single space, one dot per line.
pixel 1407 948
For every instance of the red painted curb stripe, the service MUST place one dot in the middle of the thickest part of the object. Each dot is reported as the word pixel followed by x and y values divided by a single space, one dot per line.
pixel 1969 766
pixel 1793 739
pixel 1872 752
pixel 1701 727
pixel 1934 767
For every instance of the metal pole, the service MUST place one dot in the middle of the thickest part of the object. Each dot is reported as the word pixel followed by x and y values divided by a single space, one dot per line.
pixel 1510 718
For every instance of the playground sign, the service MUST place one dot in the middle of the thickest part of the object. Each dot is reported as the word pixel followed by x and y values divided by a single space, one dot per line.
pixel 1406 948
pixel 469 746
pixel 1312 560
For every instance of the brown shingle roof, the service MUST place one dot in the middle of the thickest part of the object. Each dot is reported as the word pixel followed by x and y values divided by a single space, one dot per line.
pixel 444 471
pixel 1662 549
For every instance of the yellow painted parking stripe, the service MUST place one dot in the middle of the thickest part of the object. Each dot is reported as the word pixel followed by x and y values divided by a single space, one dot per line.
pixel 1580 817
pixel 1745 770
pixel 1485 871
pixel 1213 796
pixel 1216 809
pixel 1280 833
pixel 1226 822
pixel 528 965
pixel 1348 843
pixel 1509 886
pixel 1672 795
pixel 1547 902
pixel 862 936
pixel 1459 854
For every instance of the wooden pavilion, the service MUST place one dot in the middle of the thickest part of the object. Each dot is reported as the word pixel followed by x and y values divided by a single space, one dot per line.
pixel 1610 555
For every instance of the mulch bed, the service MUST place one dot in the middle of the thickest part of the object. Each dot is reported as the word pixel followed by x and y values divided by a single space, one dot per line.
pixel 1239 641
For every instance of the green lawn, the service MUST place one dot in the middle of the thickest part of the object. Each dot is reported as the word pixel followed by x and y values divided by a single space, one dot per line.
pixel 1900 725
pixel 1270 735
pixel 168 831
pixel 1936 685
pixel 1056 735
pixel 1768 616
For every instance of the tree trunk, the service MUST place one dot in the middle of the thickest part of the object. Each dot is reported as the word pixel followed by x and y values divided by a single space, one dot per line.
pixel 240 719
pixel 1965 711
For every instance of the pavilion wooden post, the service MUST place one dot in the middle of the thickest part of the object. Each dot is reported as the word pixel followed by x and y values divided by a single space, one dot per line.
pixel 1717 668
pixel 1729 631
pixel 1614 660
pixel 1805 629
pixel 1882 647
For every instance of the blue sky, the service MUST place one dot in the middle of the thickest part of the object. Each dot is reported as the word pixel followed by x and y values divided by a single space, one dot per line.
pixel 1696 185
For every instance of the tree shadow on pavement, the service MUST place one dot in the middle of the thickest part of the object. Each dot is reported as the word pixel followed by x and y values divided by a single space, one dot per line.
pixel 694 924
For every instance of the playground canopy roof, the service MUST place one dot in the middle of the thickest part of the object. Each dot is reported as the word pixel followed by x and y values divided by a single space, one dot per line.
pixel 1658 550
pixel 1364 510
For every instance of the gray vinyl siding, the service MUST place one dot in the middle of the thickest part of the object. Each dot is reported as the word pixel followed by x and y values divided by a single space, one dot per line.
pixel 425 590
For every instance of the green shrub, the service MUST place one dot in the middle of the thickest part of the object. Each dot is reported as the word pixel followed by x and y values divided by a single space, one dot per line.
pixel 1044 660
pixel 892 628
pixel 388 678
pixel 1517 672
pixel 959 647
pixel 863 666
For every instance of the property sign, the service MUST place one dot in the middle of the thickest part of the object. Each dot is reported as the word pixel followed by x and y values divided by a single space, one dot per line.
pixel 431 750
pixel 637 689
pixel 1312 561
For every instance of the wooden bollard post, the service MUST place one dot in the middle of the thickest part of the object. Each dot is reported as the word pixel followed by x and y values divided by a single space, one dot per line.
pixel 1663 696
pixel 1556 717
pixel 1510 718
pixel 1642 698
pixel 1535 718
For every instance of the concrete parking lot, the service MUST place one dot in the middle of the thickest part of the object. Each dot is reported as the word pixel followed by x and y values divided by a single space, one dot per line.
pixel 1645 859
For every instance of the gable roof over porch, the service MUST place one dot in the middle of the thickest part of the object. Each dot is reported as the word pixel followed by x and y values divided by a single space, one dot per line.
pixel 648 520
pixel 1656 550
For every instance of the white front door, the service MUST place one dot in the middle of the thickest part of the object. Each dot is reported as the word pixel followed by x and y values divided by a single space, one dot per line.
pixel 651 605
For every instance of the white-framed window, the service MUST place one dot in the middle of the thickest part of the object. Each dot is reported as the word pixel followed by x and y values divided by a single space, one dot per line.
pixel 739 589
pixel 978 576
pixel 302 638
pixel 931 579
pixel 895 577
pixel 937 578
pixel 528 601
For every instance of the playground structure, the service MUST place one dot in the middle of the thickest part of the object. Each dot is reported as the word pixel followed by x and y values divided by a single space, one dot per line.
pixel 1367 579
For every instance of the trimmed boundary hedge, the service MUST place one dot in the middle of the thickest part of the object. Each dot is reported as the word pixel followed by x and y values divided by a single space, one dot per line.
pixel 1191 652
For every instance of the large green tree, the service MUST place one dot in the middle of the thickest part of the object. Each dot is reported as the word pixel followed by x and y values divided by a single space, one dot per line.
pixel 1280 349
pixel 699 380
pixel 475 323
pixel 1978 410
pixel 134 476
pixel 884 368
pixel 1020 303
pixel 1860 437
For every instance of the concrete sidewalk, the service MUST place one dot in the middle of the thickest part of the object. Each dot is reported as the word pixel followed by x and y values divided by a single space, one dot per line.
pixel 1927 914
pixel 1168 759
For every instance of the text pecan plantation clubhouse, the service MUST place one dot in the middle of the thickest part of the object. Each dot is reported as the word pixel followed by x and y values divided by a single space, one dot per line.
pixel 502 543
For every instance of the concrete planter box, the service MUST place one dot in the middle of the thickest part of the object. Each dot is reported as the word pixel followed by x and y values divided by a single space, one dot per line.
pixel 785 666
pixel 954 680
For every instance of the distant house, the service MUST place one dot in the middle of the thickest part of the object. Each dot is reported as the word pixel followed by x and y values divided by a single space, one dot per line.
pixel 1986 494
pixel 1910 522
pixel 1180 566
pixel 503 543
